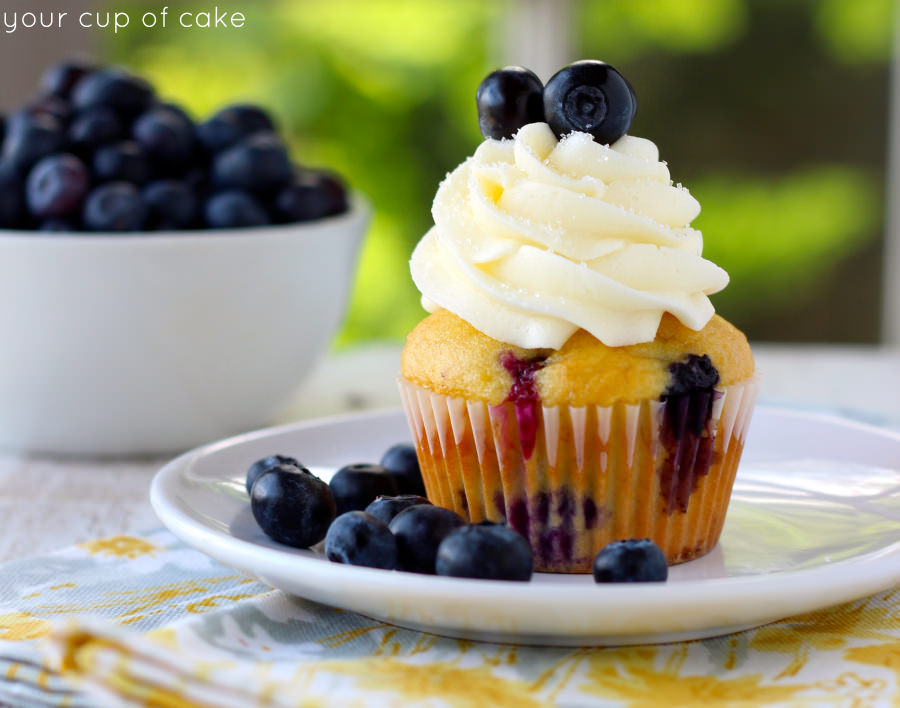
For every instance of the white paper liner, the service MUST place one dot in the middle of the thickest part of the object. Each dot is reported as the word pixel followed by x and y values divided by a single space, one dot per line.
pixel 595 474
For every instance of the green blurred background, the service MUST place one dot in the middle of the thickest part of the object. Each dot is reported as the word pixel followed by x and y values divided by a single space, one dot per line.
pixel 772 112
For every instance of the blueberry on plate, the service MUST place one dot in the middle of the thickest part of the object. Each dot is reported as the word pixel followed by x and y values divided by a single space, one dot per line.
pixel 259 163
pixel 234 209
pixel 57 186
pixel 292 506
pixel 401 461
pixel 126 94
pixel 123 161
pixel 171 205
pixel 590 97
pixel 30 138
pixel 356 486
pixel 94 127
pixel 115 206
pixel 260 466
pixel 507 99
pixel 358 538
pixel 386 508
pixel 486 550
pixel 419 531
pixel 635 560
pixel 311 194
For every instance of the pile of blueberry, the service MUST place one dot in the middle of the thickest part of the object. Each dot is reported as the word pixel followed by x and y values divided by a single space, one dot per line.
pixel 376 515
pixel 96 150
pixel 588 96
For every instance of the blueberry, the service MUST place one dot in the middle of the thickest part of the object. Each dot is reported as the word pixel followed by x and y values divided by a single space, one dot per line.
pixel 216 135
pixel 260 466
pixel 94 127
pixel 310 195
pixel 171 205
pixel 695 373
pixel 166 136
pixel 356 486
pixel 386 507
pixel 124 161
pixel 636 560
pixel 30 138
pixel 177 110
pixel 292 506
pixel 590 97
pixel 57 186
pixel 126 94
pixel 198 181
pixel 486 550
pixel 259 163
pixel 57 226
pixel 232 124
pixel 401 461
pixel 13 211
pixel 59 80
pixel 235 209
pixel 359 538
pixel 507 99
pixel 419 531
pixel 54 106
pixel 248 117
pixel 115 206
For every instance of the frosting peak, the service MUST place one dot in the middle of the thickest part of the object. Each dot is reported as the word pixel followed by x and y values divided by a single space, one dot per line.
pixel 536 237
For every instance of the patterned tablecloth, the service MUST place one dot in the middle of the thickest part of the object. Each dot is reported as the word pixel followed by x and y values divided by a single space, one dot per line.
pixel 145 620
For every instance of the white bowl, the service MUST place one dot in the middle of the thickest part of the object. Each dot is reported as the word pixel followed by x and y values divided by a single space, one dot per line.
pixel 137 344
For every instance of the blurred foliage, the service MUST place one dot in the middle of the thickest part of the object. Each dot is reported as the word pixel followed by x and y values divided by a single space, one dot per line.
pixel 857 31
pixel 771 111
pixel 783 235
pixel 634 27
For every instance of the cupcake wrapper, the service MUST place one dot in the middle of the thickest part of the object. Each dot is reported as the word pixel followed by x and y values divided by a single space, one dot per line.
pixel 573 479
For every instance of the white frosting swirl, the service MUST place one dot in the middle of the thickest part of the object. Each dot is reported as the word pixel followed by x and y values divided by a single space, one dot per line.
pixel 535 238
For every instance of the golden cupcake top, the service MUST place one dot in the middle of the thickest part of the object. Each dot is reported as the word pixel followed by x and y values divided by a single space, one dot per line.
pixel 446 355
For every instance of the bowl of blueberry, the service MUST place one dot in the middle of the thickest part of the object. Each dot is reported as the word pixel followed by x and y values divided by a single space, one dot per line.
pixel 164 280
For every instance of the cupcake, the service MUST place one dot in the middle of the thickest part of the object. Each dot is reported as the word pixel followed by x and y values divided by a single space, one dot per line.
pixel 572 378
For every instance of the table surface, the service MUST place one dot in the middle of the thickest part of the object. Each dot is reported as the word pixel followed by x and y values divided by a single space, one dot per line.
pixel 48 504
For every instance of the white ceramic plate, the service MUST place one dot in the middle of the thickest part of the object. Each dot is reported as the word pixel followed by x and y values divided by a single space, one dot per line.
pixel 814 521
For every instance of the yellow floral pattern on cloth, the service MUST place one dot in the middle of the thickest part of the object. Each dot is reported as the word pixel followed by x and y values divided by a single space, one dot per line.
pixel 155 623
pixel 120 547
pixel 141 582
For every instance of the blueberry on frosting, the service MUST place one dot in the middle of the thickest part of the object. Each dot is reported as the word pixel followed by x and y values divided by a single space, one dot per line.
pixel 507 99
pixel 589 97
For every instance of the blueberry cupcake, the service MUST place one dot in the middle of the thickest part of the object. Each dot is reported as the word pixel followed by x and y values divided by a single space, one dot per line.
pixel 572 378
